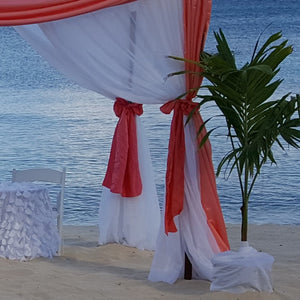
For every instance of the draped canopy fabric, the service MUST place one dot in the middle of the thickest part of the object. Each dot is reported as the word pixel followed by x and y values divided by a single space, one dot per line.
pixel 126 57
pixel 122 51
pixel 20 12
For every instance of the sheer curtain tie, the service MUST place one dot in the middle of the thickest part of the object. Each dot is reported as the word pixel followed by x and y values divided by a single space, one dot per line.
pixel 123 174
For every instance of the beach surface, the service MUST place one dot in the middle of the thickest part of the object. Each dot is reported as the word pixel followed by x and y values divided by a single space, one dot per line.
pixel 116 272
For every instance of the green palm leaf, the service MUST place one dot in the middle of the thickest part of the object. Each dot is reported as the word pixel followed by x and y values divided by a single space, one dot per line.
pixel 254 122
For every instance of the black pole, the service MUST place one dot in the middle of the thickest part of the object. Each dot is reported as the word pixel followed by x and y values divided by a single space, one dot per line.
pixel 187 268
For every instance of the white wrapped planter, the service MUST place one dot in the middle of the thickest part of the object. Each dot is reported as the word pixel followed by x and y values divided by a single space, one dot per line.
pixel 241 271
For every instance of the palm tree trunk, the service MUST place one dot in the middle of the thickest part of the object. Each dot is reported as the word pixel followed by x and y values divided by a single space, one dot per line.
pixel 244 228
pixel 244 208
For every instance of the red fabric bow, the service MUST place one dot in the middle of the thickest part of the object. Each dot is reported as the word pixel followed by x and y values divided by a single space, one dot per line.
pixel 123 174
pixel 175 163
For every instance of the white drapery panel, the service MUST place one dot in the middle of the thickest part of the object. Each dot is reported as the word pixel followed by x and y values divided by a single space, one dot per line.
pixel 193 236
pixel 132 221
pixel 118 51
pixel 123 52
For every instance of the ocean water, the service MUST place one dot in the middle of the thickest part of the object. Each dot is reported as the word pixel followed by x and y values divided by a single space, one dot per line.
pixel 47 120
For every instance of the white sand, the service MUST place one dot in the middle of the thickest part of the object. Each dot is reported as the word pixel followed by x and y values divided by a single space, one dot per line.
pixel 88 272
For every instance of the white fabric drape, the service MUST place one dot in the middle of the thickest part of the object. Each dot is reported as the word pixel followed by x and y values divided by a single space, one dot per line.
pixel 123 52
pixel 193 236
pixel 132 221
pixel 244 270
pixel 118 51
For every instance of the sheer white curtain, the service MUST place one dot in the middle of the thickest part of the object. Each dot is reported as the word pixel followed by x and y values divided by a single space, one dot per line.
pixel 134 226
pixel 193 236
pixel 119 51
pixel 123 52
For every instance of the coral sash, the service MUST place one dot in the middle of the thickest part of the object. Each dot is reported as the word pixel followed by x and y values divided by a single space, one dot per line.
pixel 20 12
pixel 123 174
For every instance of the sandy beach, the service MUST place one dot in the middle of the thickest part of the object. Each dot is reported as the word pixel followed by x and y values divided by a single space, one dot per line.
pixel 113 271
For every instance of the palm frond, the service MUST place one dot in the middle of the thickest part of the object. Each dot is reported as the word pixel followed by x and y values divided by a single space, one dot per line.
pixel 254 120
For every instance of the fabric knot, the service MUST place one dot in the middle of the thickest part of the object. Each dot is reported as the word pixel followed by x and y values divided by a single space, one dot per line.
pixel 121 105
pixel 186 106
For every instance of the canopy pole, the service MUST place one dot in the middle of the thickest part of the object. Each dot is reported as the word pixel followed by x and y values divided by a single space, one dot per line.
pixel 188 268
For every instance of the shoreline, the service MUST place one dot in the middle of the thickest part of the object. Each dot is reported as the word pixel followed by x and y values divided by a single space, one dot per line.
pixel 117 272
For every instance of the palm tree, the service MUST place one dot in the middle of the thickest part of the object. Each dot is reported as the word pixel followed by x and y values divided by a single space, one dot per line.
pixel 254 121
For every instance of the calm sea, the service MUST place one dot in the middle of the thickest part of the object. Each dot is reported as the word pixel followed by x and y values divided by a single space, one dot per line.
pixel 46 120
